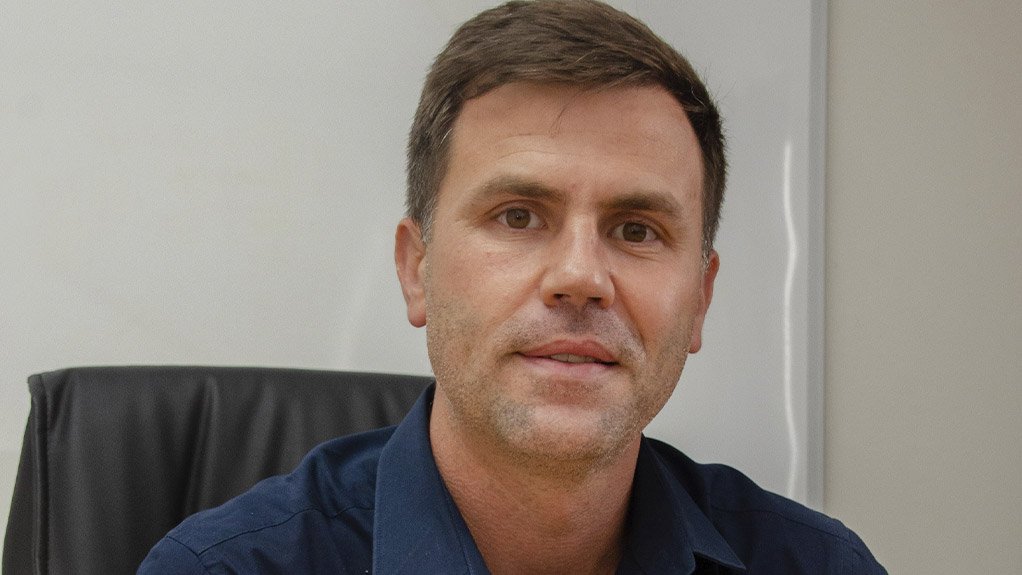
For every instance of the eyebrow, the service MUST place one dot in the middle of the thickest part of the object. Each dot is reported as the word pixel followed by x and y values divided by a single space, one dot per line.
pixel 645 201
pixel 635 201
pixel 516 186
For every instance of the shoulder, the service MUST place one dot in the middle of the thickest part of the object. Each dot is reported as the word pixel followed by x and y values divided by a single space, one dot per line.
pixel 320 510
pixel 764 528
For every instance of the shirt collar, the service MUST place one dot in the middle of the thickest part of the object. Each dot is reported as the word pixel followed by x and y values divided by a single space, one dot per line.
pixel 418 528
pixel 666 529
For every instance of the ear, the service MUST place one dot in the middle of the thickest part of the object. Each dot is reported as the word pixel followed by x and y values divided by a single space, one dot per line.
pixel 709 276
pixel 410 258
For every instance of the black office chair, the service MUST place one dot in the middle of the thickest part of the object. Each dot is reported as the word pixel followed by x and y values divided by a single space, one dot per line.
pixel 114 457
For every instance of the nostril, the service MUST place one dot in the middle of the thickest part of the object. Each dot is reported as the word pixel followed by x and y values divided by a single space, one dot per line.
pixel 570 298
pixel 567 285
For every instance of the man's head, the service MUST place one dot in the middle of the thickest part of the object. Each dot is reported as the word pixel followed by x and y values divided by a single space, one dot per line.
pixel 568 270
pixel 582 43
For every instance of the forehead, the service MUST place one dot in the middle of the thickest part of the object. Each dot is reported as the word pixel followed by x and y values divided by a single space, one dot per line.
pixel 567 137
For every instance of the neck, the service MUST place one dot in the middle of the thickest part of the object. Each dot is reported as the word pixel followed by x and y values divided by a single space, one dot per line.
pixel 536 516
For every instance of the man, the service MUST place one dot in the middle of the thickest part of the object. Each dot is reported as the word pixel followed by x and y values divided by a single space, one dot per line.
pixel 566 169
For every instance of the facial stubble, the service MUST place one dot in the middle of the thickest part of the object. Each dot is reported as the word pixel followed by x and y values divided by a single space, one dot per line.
pixel 468 361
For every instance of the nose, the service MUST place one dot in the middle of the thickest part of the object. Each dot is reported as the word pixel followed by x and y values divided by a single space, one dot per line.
pixel 577 270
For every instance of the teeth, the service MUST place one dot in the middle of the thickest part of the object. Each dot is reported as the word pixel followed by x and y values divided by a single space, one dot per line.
pixel 572 358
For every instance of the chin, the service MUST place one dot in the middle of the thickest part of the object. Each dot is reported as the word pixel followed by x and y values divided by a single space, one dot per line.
pixel 563 434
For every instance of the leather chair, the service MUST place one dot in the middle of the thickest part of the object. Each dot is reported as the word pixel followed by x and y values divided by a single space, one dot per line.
pixel 114 457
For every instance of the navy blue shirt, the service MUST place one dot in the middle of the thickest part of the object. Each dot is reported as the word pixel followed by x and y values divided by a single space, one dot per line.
pixel 375 503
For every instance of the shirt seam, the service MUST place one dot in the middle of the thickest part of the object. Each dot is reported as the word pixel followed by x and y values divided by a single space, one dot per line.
pixel 452 516
pixel 198 559
pixel 843 537
pixel 294 514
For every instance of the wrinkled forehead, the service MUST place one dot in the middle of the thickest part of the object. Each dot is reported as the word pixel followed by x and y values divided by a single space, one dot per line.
pixel 562 137
pixel 644 121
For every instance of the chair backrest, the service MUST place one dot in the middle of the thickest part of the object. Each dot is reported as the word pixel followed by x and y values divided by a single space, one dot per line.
pixel 114 457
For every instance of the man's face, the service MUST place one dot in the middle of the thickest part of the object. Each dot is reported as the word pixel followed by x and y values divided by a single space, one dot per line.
pixel 563 285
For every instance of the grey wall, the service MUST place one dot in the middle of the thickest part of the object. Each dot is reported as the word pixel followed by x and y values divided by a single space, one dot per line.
pixel 924 276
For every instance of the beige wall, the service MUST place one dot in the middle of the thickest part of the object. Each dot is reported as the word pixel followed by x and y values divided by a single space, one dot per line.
pixel 924 276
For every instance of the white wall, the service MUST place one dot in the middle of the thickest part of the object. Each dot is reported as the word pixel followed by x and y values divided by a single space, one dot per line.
pixel 218 183
pixel 924 440
pixel 924 282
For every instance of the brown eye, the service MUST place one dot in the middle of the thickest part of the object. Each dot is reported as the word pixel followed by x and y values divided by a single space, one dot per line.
pixel 634 232
pixel 518 218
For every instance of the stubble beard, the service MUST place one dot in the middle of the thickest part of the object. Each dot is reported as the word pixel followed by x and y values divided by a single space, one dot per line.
pixel 517 430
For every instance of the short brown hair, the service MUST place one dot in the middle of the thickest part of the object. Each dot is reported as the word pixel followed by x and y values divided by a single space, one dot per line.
pixel 580 42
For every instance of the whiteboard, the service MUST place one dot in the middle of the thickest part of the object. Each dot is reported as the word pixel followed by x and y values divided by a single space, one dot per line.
pixel 194 182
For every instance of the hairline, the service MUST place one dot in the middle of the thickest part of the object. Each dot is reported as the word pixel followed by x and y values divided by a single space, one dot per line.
pixel 445 144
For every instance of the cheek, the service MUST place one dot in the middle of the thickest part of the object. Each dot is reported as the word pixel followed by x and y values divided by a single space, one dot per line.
pixel 661 307
pixel 486 279
pixel 470 293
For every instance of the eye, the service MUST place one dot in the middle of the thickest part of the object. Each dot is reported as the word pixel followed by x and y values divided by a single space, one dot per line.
pixel 634 232
pixel 519 219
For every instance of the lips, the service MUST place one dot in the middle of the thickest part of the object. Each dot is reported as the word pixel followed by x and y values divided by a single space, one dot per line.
pixel 572 358
pixel 573 352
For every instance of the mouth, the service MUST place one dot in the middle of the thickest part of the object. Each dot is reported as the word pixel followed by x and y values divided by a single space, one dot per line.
pixel 573 352
pixel 572 358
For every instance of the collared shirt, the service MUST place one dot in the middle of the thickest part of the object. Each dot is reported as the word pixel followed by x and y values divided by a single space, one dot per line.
pixel 375 503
